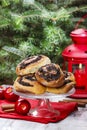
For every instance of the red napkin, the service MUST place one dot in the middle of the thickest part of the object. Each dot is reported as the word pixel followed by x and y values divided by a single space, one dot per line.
pixel 64 108
pixel 79 93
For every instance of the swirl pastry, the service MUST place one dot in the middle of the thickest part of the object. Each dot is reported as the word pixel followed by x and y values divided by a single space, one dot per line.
pixel 28 84
pixel 67 86
pixel 69 77
pixel 50 75
pixel 31 64
pixel 64 89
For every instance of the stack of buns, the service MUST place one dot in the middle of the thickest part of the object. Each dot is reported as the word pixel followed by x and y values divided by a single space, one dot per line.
pixel 37 75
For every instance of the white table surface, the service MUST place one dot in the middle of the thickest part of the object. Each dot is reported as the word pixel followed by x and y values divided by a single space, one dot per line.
pixel 75 121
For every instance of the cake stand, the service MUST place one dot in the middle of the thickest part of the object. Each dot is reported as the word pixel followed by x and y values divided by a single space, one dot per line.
pixel 44 107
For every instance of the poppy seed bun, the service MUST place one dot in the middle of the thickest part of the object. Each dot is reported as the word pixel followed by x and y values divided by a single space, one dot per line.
pixel 69 83
pixel 50 75
pixel 28 84
pixel 31 64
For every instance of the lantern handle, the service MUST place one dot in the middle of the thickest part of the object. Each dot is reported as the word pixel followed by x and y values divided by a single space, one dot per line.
pixel 81 20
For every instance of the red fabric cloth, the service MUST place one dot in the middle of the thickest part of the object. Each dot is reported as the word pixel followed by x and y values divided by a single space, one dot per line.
pixel 64 108
pixel 79 93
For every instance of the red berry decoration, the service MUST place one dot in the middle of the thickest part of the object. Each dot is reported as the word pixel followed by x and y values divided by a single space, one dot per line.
pixel 22 106
pixel 10 95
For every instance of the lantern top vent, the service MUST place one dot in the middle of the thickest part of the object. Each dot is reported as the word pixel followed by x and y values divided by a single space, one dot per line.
pixel 79 32
pixel 79 36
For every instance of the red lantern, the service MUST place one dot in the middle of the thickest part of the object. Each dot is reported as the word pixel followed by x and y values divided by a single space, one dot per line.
pixel 75 57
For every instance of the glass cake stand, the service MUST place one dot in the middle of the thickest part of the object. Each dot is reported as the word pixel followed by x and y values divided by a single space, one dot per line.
pixel 44 107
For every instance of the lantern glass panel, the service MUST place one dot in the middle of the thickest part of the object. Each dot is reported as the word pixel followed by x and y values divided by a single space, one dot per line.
pixel 80 75
pixel 77 66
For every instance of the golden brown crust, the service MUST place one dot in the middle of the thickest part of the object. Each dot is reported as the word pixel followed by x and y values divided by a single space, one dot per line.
pixel 31 64
pixel 69 76
pixel 28 84
pixel 50 75
pixel 64 89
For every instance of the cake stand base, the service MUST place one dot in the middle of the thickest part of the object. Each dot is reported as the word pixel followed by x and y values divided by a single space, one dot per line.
pixel 44 109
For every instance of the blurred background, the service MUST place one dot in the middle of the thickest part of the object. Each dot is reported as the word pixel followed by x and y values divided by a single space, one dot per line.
pixel 32 27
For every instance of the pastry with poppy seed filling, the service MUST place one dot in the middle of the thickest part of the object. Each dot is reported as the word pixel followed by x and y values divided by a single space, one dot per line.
pixel 69 83
pixel 50 75
pixel 69 77
pixel 28 84
pixel 31 64
pixel 61 90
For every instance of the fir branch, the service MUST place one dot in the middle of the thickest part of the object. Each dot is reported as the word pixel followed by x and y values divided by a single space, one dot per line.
pixel 4 23
pixel 7 72
pixel 46 15
pixel 3 53
pixel 39 6
pixel 5 3
pixel 60 14
pixel 75 9
pixel 3 56
pixel 28 48
pixel 12 50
